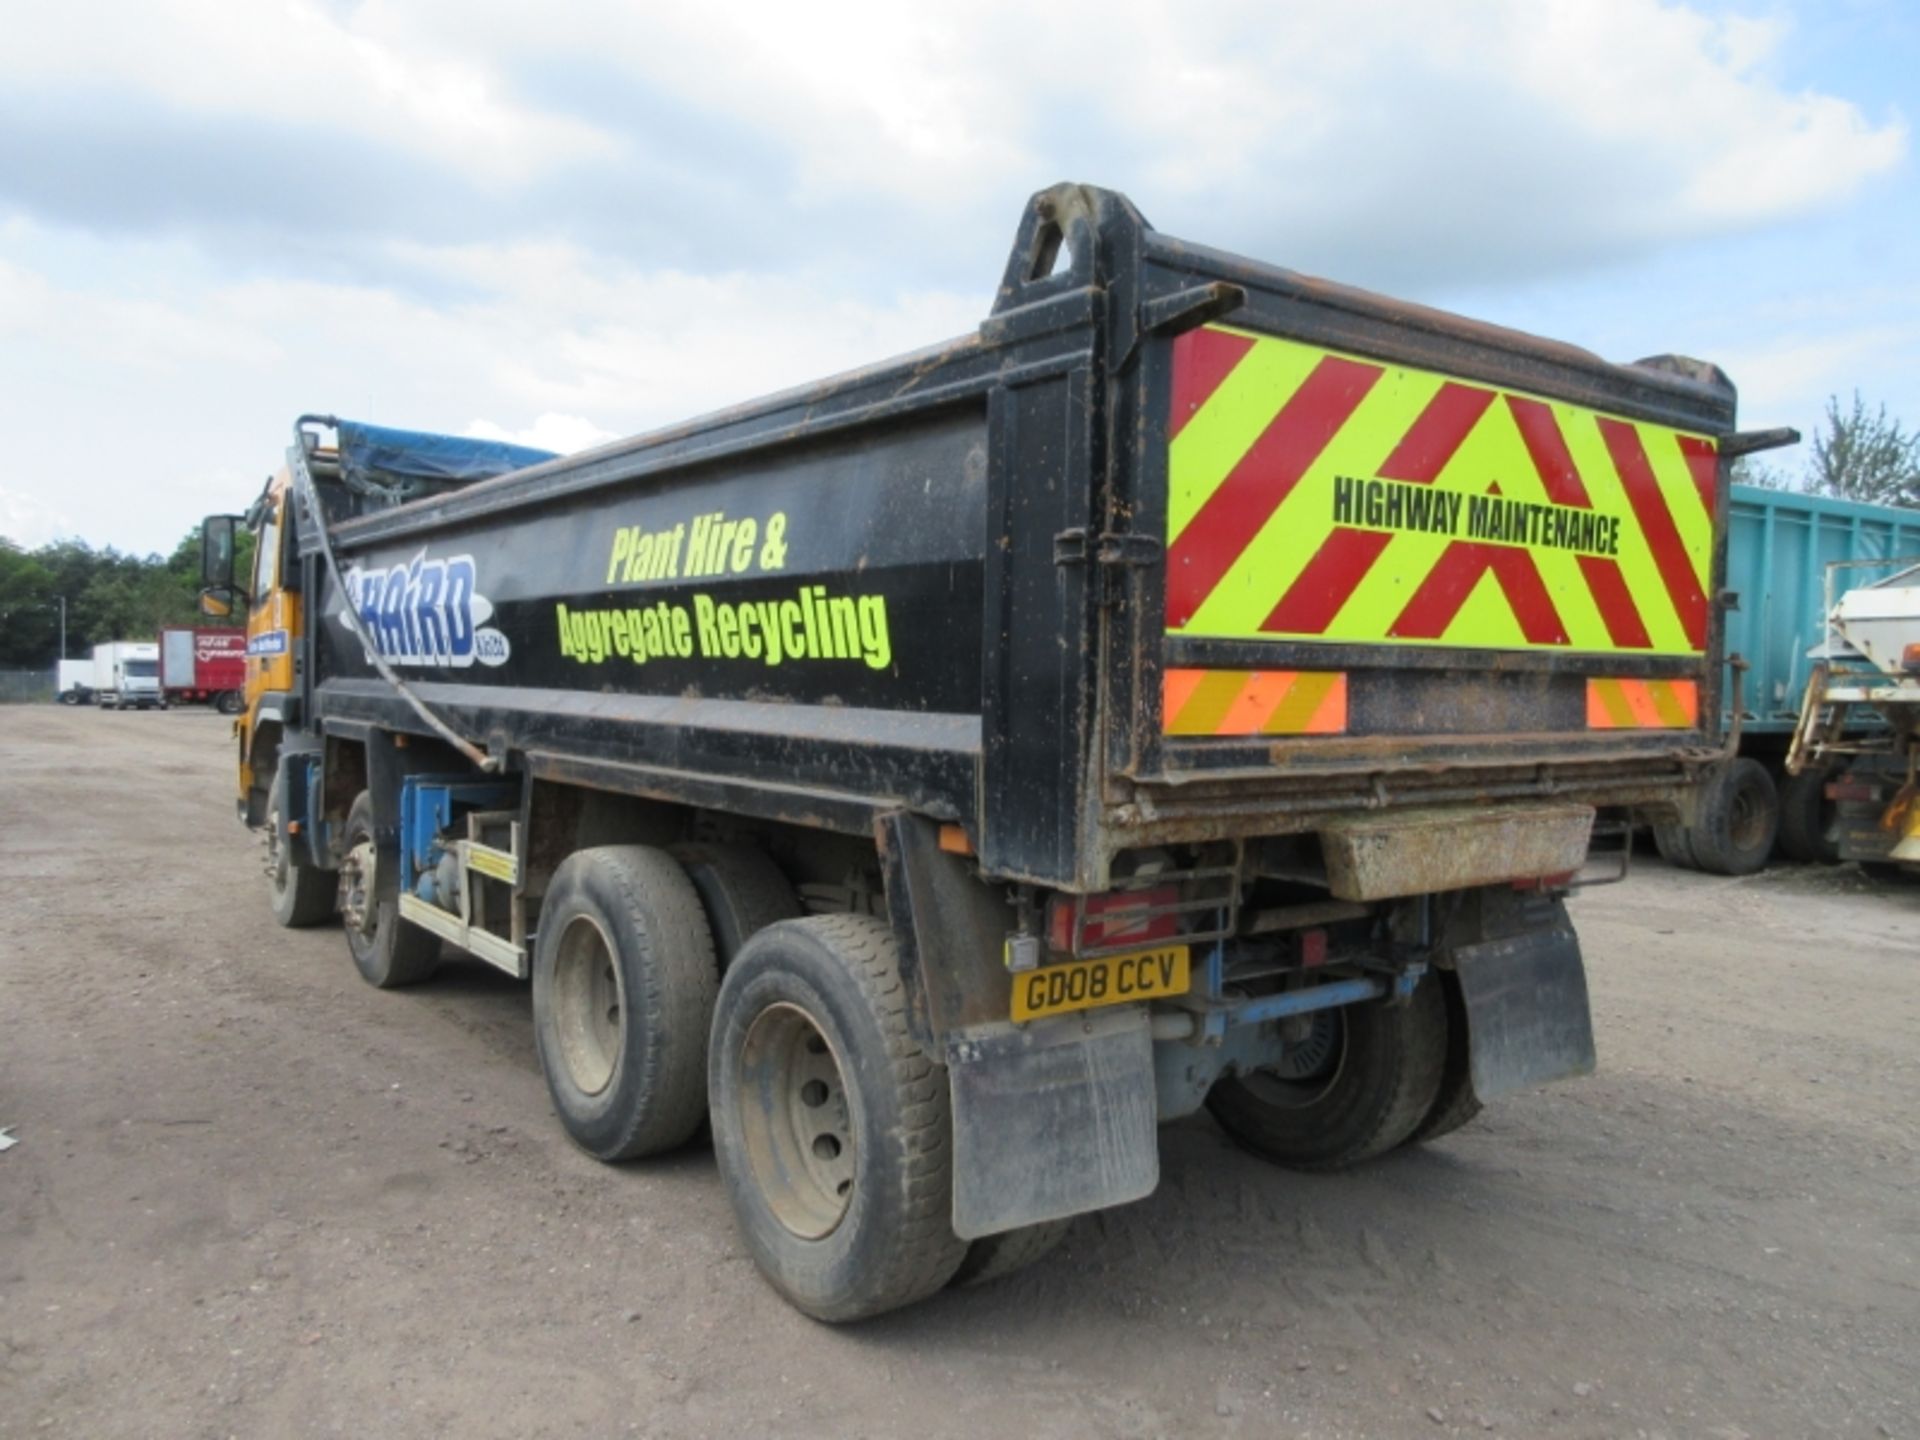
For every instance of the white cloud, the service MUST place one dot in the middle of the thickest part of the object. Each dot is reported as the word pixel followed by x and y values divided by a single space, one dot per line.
pixel 292 64
pixel 29 522
pixel 562 434
pixel 663 209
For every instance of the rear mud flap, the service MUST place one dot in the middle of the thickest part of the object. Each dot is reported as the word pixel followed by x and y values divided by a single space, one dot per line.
pixel 1527 1016
pixel 1051 1119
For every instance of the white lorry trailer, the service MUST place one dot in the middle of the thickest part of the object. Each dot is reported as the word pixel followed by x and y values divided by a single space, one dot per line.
pixel 73 682
pixel 126 673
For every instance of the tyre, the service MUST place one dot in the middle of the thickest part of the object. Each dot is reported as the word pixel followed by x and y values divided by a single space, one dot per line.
pixel 742 891
pixel 389 952
pixel 303 895
pixel 831 1126
pixel 1361 1084
pixel 69 697
pixel 1456 1104
pixel 229 702
pixel 1806 819
pixel 1671 840
pixel 1739 815
pixel 623 988
pixel 993 1257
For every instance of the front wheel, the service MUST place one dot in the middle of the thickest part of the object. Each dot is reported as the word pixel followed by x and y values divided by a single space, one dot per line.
pixel 228 703
pixel 1362 1082
pixel 1807 818
pixel 303 895
pixel 387 951
pixel 831 1126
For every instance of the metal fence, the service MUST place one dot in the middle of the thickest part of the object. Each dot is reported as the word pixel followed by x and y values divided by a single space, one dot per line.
pixel 18 687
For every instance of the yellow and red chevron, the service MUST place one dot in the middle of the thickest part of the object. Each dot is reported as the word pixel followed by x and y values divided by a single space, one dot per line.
pixel 1254 702
pixel 1321 496
pixel 1623 704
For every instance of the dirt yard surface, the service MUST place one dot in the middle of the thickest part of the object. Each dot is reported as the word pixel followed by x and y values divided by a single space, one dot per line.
pixel 254 1197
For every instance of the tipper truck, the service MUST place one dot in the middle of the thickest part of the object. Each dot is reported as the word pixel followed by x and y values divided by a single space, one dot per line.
pixel 1198 687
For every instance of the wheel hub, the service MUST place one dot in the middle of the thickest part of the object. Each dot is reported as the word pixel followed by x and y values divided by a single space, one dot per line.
pixel 588 1005
pixel 796 1119
pixel 357 908
pixel 270 858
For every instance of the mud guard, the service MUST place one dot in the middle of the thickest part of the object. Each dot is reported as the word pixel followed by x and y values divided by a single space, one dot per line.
pixel 1051 1119
pixel 1528 1022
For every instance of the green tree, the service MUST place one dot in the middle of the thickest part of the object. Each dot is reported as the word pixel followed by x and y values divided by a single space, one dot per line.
pixel 1865 455
pixel 109 595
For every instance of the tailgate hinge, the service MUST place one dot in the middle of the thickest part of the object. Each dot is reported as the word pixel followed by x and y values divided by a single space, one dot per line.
pixel 1116 553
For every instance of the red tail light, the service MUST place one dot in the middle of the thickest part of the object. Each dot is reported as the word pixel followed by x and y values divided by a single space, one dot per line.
pixel 1117 918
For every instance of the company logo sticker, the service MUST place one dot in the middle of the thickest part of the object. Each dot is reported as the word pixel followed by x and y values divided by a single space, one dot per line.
pixel 427 612
pixel 207 646
pixel 268 642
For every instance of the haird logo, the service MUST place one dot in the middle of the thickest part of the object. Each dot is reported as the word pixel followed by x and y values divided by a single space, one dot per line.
pixel 427 612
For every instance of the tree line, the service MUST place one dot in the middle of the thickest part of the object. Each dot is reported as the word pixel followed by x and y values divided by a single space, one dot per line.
pixel 109 596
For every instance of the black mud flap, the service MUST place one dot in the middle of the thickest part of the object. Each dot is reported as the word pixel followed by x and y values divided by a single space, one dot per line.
pixel 1051 1119
pixel 1527 1016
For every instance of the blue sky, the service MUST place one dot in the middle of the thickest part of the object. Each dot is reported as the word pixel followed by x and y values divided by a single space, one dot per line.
pixel 585 220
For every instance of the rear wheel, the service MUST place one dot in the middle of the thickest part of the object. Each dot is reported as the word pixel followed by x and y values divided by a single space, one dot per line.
pixel 1739 815
pixel 303 895
pixel 228 703
pixel 993 1257
pixel 1360 1084
pixel 1456 1104
pixel 388 951
pixel 623 987
pixel 742 891
pixel 831 1126
pixel 1675 848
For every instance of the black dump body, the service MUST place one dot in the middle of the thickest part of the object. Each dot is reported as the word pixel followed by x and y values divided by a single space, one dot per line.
pixel 942 584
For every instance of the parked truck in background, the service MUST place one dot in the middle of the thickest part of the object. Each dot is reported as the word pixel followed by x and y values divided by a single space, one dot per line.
pixel 1867 668
pixel 1780 547
pixel 1199 686
pixel 126 675
pixel 203 666
pixel 73 682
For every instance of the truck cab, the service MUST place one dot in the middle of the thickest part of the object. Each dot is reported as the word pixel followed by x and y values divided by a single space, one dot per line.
pixel 127 675
pixel 270 599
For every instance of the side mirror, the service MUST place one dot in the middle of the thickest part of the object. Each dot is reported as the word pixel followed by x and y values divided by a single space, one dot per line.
pixel 216 552
pixel 216 604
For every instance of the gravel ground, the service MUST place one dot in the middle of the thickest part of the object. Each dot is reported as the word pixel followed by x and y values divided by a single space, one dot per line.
pixel 252 1196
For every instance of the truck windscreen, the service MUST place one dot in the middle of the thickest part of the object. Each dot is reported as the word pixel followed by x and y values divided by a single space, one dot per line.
pixel 142 669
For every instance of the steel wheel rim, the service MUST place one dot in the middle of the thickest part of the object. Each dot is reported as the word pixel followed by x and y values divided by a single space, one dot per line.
pixel 795 1121
pixel 1312 1069
pixel 276 859
pixel 358 910
pixel 1748 822
pixel 589 1005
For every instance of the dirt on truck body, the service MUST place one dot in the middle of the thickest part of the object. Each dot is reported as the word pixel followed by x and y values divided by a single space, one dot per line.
pixel 1197 687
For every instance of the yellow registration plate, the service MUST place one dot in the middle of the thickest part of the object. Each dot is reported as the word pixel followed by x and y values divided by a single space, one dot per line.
pixel 1105 980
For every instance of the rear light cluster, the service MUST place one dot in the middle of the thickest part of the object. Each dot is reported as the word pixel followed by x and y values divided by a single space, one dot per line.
pixel 1118 919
